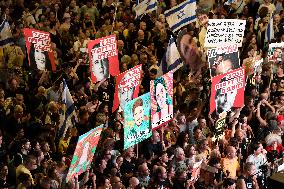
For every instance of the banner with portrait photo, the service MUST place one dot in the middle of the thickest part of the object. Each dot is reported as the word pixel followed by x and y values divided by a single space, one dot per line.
pixel 227 92
pixel 276 52
pixel 161 90
pixel 221 32
pixel 103 56
pixel 127 87
pixel 40 53
pixel 223 59
pixel 84 152
pixel 137 120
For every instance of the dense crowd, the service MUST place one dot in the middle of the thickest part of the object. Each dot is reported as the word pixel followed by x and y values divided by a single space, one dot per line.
pixel 31 154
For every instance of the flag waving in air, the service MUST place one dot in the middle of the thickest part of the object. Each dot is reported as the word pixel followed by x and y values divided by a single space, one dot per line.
pixel 145 7
pixel 181 15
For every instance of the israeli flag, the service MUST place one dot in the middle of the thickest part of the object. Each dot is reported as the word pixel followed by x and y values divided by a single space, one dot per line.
pixel 181 15
pixel 145 7
pixel 5 34
pixel 269 33
pixel 70 108
pixel 171 60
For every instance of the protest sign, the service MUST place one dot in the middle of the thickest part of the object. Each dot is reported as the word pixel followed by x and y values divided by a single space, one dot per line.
pixel 40 53
pixel 84 152
pixel 222 59
pixel 275 52
pixel 137 120
pixel 196 171
pixel 161 90
pixel 103 55
pixel 127 87
pixel 221 32
pixel 227 91
pixel 219 132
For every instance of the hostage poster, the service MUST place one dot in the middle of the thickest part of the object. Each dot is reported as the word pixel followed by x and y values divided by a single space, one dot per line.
pixel 84 152
pixel 275 52
pixel 40 53
pixel 227 92
pixel 127 87
pixel 161 90
pixel 137 120
pixel 103 56
pixel 221 32
pixel 223 59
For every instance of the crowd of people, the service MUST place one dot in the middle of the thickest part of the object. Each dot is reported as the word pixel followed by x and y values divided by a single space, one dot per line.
pixel 31 154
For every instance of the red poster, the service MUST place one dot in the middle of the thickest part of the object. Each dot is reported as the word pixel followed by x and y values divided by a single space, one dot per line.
pixel 127 87
pixel 40 53
pixel 103 55
pixel 227 91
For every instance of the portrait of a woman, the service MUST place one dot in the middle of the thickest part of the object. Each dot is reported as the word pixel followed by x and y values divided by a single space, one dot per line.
pixel 164 110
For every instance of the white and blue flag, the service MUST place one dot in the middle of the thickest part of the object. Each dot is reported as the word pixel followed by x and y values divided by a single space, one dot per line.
pixel 269 33
pixel 171 60
pixel 6 37
pixel 69 109
pixel 145 7
pixel 181 15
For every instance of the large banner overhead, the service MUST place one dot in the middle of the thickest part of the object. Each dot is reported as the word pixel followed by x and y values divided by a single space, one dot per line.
pixel 221 32
pixel 137 120
pixel 227 91
pixel 84 152
pixel 161 90
pixel 40 53
pixel 127 87
pixel 103 55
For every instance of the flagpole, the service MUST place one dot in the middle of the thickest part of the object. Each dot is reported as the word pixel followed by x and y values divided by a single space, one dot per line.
pixel 114 17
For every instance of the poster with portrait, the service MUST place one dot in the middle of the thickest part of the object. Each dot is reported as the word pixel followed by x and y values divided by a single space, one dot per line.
pixel 137 120
pixel 276 52
pixel 39 50
pixel 84 152
pixel 127 87
pixel 227 92
pixel 103 56
pixel 188 50
pixel 161 90
pixel 221 32
pixel 223 59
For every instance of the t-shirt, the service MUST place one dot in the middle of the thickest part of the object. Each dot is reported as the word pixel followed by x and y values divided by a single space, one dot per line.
pixel 231 165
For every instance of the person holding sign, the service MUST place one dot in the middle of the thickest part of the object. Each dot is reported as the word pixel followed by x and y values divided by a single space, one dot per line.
pixel 164 102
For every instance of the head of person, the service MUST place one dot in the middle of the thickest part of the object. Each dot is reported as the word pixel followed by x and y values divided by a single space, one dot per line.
pixel 161 95
pixel 257 148
pixel 224 101
pixel 202 15
pixel 225 64
pixel 156 137
pixel 25 144
pixel 179 154
pixel 3 170
pixel 25 179
pixel 143 170
pixel 249 169
pixel 231 152
pixel 18 111
pixel 130 152
pixel 161 173
pixel 133 182
pixel 116 182
pixel 30 162
pixel 138 112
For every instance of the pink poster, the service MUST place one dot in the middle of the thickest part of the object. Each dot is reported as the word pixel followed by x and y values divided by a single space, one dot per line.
pixel 161 90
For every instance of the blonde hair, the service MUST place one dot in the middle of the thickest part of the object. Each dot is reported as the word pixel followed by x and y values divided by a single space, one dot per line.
pixel 269 139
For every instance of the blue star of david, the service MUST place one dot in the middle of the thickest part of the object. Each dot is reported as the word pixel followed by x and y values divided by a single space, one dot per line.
pixel 181 14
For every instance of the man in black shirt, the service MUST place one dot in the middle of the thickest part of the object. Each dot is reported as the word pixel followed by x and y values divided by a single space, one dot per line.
pixel 248 179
